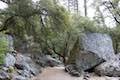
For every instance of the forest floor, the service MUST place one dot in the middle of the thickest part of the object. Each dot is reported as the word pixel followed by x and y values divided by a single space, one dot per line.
pixel 58 73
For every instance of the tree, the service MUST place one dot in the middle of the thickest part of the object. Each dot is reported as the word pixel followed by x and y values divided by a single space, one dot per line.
pixel 85 7
pixel 45 27
pixel 113 8
pixel 45 22
pixel 73 6
pixel 99 16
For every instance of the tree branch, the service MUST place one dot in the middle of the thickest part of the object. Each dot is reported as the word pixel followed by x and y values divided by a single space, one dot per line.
pixel 111 11
pixel 6 24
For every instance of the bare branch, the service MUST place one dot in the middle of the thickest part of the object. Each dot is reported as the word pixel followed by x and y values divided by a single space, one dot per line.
pixel 108 7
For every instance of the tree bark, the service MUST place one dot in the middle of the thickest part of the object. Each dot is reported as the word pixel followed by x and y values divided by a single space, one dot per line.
pixel 85 7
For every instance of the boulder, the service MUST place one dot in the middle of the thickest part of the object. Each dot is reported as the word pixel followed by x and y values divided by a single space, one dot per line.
pixel 19 78
pixel 52 61
pixel 109 68
pixel 24 73
pixel 9 60
pixel 46 60
pixel 4 75
pixel 87 60
pixel 73 70
pixel 98 43
pixel 25 63
pixel 90 50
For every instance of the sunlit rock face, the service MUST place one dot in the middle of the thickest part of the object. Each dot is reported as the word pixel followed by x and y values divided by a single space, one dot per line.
pixel 100 44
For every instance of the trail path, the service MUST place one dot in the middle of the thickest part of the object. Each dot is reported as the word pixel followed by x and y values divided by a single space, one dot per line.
pixel 57 73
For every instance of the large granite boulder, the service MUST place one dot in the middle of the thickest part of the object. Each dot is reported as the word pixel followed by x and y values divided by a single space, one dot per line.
pixel 98 43
pixel 85 61
pixel 91 50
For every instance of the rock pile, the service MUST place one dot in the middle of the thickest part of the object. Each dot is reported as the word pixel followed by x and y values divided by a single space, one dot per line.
pixel 23 67
pixel 18 67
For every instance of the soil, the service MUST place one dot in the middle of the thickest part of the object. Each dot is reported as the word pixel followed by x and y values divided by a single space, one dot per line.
pixel 58 73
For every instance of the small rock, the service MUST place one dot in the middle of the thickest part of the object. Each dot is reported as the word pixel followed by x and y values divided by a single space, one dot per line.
pixel 5 68
pixel 19 78
pixel 72 70
pixel 86 76
pixel 46 60
pixel 19 66
pixel 52 61
pixel 25 63
pixel 24 73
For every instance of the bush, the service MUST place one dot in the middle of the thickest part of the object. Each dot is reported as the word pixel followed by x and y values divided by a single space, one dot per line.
pixel 3 47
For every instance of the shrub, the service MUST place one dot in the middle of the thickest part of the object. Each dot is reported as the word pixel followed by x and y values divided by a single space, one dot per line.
pixel 3 47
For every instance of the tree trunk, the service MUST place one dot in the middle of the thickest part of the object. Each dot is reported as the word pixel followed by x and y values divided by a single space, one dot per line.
pixel 116 46
pixel 85 7
pixel 73 53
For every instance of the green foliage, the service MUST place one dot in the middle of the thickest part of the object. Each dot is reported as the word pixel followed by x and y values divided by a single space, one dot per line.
pixel 11 69
pixel 115 34
pixel 3 47
pixel 21 8
pixel 51 28
pixel 84 24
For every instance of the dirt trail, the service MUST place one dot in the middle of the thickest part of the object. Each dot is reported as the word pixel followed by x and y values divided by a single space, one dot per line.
pixel 57 73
